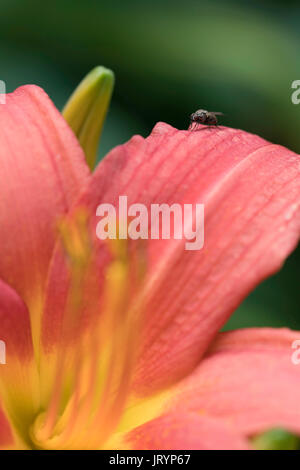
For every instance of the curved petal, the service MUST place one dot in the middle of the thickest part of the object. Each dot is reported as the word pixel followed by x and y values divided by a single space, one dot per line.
pixel 15 326
pixel 250 189
pixel 188 431
pixel 19 383
pixel 42 170
pixel 248 380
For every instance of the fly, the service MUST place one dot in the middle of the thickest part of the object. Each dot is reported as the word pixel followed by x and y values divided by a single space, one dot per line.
pixel 208 118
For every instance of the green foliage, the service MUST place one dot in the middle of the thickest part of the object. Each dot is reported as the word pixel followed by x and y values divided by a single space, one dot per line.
pixel 276 439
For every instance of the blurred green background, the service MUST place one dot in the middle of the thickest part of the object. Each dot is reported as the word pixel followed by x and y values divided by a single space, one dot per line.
pixel 171 57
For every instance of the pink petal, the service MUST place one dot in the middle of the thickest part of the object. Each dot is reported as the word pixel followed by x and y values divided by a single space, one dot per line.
pixel 15 329
pixel 250 189
pixel 19 391
pixel 42 170
pixel 188 431
pixel 248 380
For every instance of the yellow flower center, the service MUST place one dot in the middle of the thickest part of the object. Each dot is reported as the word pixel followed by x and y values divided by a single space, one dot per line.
pixel 91 372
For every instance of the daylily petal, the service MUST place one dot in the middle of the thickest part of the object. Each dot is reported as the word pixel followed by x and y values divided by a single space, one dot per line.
pixel 248 380
pixel 19 385
pixel 250 189
pixel 188 431
pixel 42 170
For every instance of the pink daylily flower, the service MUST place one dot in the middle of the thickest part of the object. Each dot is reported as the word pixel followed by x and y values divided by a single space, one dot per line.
pixel 117 346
